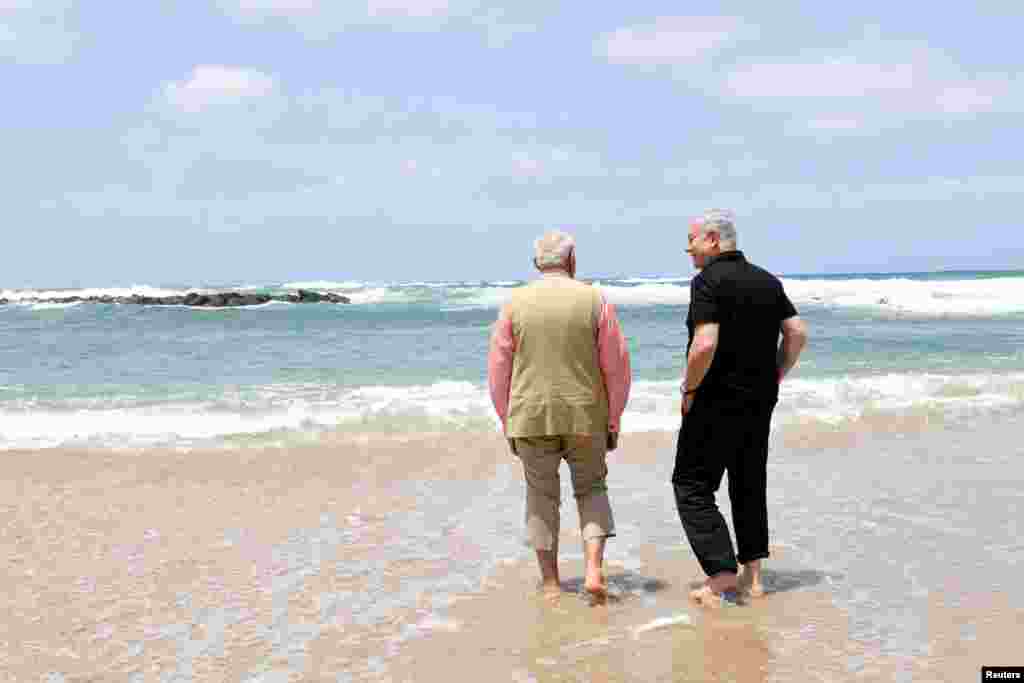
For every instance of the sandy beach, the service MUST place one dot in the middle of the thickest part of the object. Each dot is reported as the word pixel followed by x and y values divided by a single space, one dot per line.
pixel 369 557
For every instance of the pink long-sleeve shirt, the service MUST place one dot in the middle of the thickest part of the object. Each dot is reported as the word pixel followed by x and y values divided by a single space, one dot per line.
pixel 613 358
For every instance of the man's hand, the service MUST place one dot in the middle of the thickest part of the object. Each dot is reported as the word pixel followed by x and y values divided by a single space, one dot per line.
pixel 613 440
pixel 687 403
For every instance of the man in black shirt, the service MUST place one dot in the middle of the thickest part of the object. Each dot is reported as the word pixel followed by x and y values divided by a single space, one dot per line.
pixel 730 387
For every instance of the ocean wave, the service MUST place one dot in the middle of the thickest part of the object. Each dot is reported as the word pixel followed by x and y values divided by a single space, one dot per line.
pixel 267 411
pixel 929 298
pixel 897 296
pixel 141 290
pixel 325 285
pixel 391 295
pixel 305 410
pixel 51 306
pixel 650 294
pixel 652 280
pixel 478 297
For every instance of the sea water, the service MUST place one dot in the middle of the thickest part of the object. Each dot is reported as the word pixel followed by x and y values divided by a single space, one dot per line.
pixel 411 357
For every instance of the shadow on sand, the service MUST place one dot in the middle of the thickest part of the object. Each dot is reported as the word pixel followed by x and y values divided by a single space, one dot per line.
pixel 621 585
pixel 783 580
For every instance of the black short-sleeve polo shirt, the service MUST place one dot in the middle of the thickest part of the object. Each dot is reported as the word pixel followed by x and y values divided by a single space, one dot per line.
pixel 749 305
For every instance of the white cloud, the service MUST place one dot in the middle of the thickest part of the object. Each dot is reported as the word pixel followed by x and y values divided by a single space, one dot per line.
pixel 321 8
pixel 210 84
pixel 279 7
pixel 671 40
pixel 320 19
pixel 831 78
pixel 407 8
pixel 970 96
pixel 908 81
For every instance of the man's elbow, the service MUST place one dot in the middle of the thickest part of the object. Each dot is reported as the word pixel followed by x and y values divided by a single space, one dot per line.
pixel 704 347
pixel 795 333
pixel 801 333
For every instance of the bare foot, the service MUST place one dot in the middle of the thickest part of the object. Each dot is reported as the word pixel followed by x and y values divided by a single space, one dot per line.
pixel 706 597
pixel 596 586
pixel 551 591
pixel 751 587
pixel 710 594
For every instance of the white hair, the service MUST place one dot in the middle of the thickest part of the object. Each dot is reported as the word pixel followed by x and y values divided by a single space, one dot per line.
pixel 721 221
pixel 553 249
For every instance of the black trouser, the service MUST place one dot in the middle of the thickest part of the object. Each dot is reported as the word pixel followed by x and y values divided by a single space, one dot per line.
pixel 720 434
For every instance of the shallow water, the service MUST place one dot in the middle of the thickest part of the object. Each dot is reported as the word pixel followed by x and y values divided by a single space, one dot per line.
pixel 894 558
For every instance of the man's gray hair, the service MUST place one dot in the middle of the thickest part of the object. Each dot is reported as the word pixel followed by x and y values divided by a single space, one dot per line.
pixel 552 250
pixel 721 221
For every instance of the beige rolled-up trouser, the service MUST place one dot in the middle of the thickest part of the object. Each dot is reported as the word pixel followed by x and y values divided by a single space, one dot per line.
pixel 541 457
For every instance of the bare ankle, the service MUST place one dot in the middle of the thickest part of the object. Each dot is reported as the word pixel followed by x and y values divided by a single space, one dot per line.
pixel 722 582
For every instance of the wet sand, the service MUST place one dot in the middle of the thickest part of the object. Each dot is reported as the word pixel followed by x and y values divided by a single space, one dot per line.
pixel 896 556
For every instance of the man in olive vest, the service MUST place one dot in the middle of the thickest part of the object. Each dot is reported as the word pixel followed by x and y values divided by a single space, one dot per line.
pixel 559 376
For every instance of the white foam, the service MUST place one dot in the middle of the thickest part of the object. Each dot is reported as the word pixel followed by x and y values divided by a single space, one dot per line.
pixel 141 290
pixel 654 406
pixel 384 295
pixel 930 298
pixel 51 306
pixel 663 622
pixel 894 296
pixel 325 285
pixel 651 294
pixel 453 406
pixel 291 408
pixel 897 296
pixel 654 280
pixel 479 297
pixel 422 285
pixel 849 398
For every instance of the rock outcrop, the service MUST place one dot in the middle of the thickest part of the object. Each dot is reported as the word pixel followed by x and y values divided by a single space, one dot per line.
pixel 215 300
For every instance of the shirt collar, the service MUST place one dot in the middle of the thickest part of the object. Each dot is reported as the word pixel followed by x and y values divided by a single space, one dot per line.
pixel 553 274
pixel 732 255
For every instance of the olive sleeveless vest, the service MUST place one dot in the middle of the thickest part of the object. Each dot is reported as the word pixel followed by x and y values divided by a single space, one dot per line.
pixel 557 384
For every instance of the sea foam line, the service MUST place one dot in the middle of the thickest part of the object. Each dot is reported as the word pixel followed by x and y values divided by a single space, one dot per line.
pixel 453 406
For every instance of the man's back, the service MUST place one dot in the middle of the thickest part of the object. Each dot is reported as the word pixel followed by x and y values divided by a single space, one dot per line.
pixel 557 386
pixel 749 304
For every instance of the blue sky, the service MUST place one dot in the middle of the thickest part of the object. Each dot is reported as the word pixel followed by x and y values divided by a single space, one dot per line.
pixel 262 140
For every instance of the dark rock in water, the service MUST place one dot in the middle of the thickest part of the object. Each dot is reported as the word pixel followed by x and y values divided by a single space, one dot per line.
pixel 253 299
pixel 216 300
pixel 304 296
